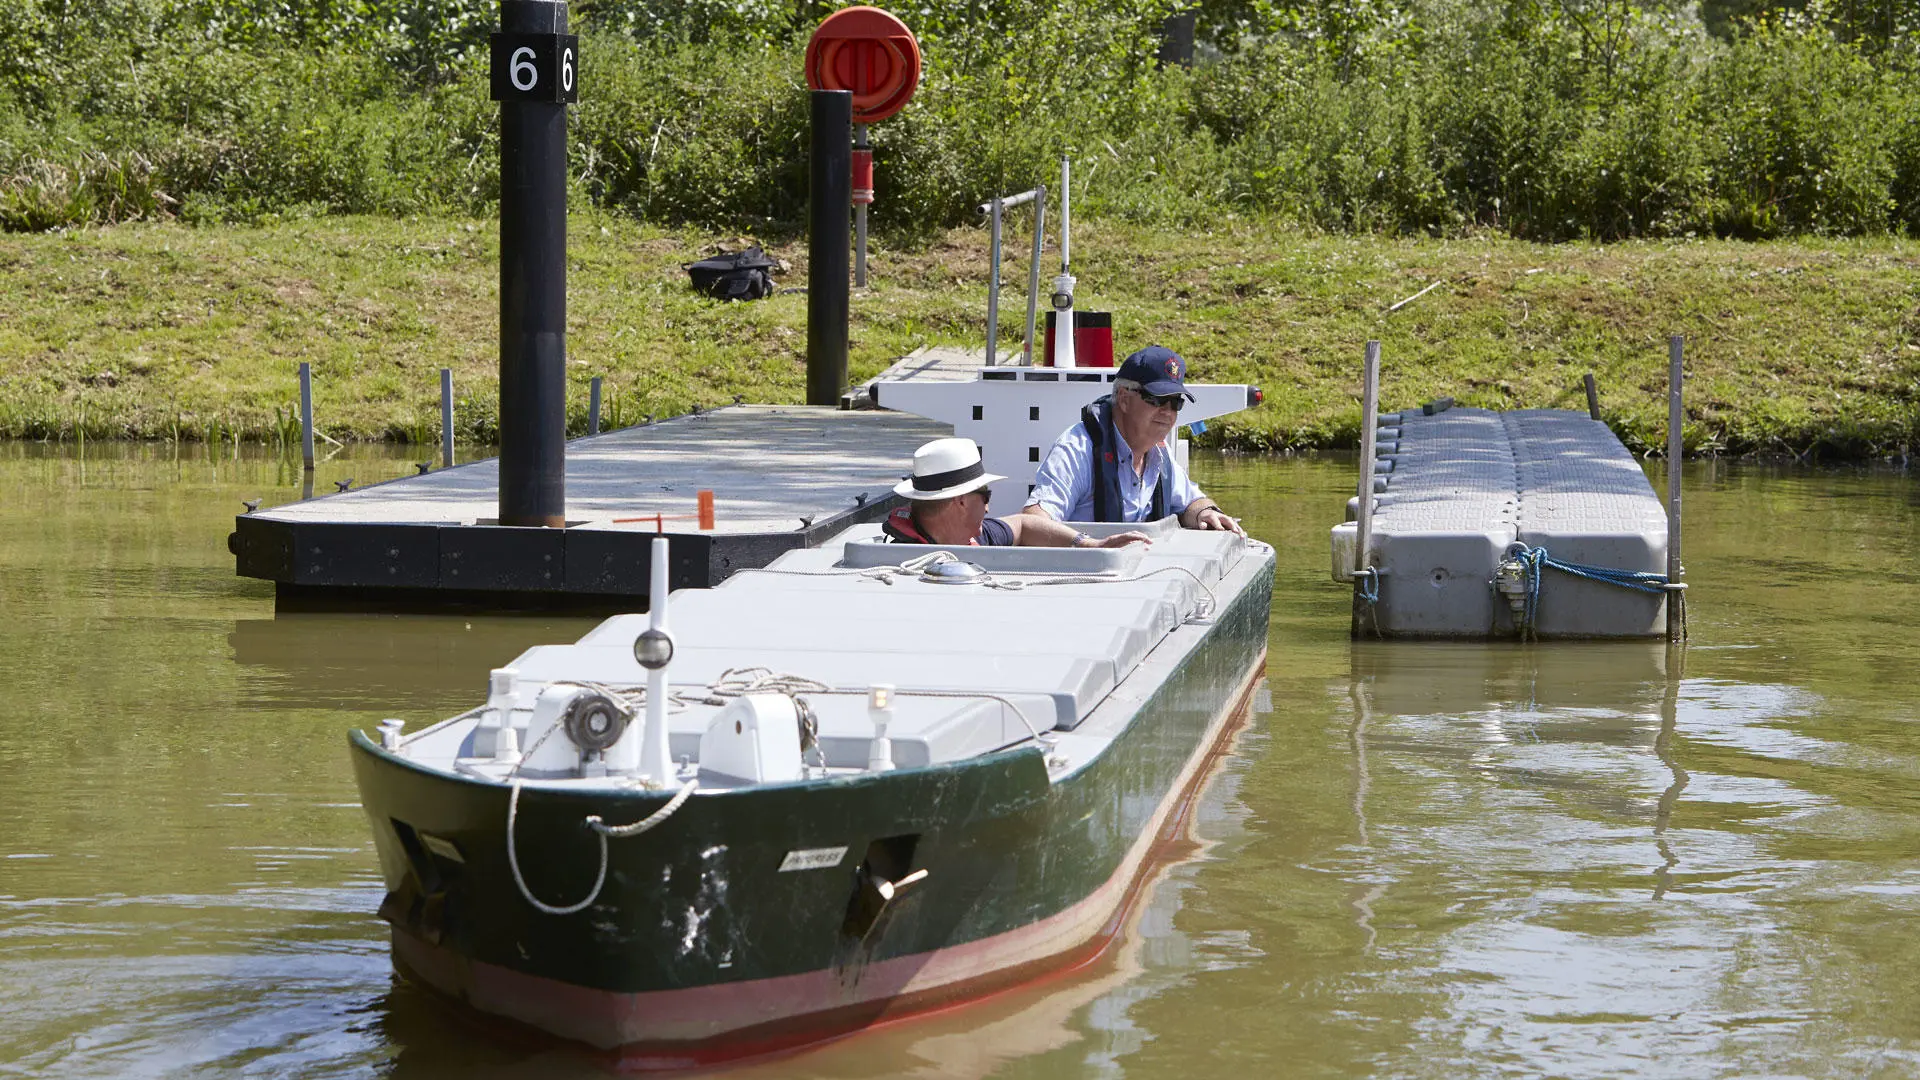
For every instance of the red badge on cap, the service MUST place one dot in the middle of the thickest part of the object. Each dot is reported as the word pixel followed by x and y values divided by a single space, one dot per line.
pixel 1173 367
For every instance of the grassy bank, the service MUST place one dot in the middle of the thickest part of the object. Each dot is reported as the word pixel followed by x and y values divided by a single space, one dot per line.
pixel 165 331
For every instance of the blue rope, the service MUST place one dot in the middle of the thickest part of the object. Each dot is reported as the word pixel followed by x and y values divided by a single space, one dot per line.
pixel 1536 558
pixel 1367 582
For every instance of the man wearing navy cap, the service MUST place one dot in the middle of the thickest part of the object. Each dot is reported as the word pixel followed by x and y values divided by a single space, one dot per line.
pixel 1114 465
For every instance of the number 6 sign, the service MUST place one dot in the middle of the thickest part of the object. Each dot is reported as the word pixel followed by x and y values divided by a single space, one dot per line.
pixel 535 67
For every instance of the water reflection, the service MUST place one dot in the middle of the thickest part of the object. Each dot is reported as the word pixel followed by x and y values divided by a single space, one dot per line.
pixel 314 660
pixel 1428 860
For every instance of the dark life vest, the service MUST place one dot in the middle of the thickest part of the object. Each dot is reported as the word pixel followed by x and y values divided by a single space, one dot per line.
pixel 1108 504
pixel 743 275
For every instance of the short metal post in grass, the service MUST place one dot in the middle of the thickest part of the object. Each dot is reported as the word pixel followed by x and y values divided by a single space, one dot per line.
pixel 995 210
pixel 1593 397
pixel 593 406
pixel 1033 268
pixel 446 417
pixel 306 416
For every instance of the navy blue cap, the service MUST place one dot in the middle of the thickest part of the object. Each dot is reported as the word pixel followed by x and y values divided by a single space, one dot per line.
pixel 1159 371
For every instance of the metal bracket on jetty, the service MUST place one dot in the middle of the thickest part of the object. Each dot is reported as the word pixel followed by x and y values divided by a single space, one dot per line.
pixel 1530 523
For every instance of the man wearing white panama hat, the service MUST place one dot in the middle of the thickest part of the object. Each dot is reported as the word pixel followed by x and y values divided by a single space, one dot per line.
pixel 947 504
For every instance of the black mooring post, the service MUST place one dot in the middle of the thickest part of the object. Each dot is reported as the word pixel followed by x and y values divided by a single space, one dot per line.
pixel 534 75
pixel 829 216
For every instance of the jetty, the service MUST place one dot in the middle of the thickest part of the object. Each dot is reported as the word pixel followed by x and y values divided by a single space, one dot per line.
pixel 781 477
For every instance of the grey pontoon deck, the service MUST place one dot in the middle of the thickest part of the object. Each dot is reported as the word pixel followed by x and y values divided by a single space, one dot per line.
pixel 1456 490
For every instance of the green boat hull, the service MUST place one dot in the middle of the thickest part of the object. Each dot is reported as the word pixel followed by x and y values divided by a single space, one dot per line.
pixel 700 947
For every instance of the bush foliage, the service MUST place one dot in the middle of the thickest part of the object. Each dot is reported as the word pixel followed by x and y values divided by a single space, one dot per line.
pixel 1589 118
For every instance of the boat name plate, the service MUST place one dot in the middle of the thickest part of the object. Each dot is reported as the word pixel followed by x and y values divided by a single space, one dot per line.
pixel 820 858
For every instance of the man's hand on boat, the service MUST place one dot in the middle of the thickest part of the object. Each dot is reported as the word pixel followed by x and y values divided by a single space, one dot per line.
pixel 1208 516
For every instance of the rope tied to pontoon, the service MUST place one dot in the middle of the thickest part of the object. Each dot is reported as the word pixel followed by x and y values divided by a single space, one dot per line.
pixel 1532 560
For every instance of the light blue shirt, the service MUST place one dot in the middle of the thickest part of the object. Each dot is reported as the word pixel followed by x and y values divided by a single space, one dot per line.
pixel 1064 485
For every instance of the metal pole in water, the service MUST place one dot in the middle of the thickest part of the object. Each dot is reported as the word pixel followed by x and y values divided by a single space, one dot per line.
pixel 534 74
pixel 1369 429
pixel 1676 447
pixel 993 286
pixel 446 417
pixel 593 406
pixel 1033 268
pixel 306 416
pixel 1593 397
pixel 830 196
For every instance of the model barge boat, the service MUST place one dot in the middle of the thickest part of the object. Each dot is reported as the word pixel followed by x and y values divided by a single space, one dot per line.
pixel 868 780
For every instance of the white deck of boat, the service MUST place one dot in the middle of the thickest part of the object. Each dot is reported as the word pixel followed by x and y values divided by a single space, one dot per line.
pixel 1051 651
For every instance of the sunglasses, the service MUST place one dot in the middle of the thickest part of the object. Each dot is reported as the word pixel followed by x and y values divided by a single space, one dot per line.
pixel 1171 401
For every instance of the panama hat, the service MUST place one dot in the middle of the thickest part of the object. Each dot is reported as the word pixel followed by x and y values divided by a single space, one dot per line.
pixel 944 468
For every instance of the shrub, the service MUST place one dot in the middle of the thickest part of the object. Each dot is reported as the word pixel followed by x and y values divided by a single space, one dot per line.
pixel 1587 119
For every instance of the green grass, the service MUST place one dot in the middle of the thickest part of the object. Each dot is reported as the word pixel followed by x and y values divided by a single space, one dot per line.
pixel 174 332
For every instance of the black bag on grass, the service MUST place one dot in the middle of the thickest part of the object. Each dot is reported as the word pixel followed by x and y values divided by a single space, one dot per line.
pixel 741 275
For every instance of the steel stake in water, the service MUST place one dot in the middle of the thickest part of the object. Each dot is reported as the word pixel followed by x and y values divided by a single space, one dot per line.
pixel 1369 432
pixel 1676 448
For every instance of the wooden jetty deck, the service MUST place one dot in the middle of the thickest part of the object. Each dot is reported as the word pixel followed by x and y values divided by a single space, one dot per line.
pixel 1457 494
pixel 782 476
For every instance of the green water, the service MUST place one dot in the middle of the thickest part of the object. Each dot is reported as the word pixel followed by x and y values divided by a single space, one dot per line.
pixel 1425 861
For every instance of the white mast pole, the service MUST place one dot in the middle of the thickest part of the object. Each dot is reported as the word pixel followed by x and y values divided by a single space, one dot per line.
pixel 656 757
pixel 1063 356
